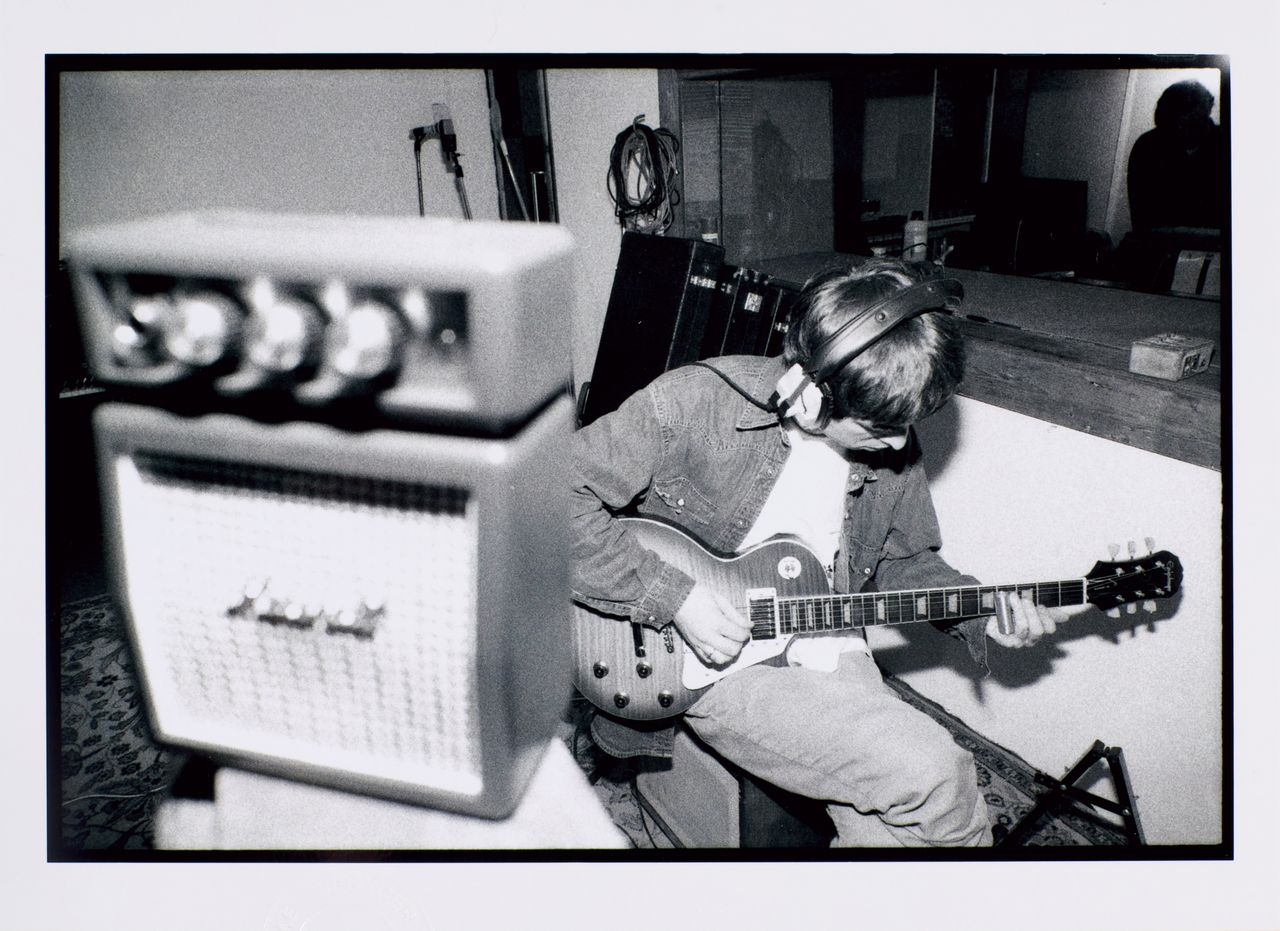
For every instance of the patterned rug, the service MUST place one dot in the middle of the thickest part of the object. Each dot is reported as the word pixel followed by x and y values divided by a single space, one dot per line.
pixel 1007 781
pixel 113 773
pixel 1009 784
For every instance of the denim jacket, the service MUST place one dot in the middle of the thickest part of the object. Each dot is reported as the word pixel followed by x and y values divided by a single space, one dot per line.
pixel 691 451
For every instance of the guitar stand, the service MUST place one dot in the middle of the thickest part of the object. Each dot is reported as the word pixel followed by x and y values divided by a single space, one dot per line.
pixel 1064 790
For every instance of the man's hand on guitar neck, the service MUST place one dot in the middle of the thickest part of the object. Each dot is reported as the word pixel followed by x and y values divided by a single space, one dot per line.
pixel 1020 622
pixel 712 626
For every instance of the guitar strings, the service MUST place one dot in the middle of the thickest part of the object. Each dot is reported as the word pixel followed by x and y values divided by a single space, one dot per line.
pixel 1084 584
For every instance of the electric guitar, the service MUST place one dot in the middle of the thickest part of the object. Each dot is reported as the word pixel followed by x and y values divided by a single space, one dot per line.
pixel 636 672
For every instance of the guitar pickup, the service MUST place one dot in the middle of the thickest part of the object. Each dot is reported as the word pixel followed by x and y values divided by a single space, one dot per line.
pixel 762 612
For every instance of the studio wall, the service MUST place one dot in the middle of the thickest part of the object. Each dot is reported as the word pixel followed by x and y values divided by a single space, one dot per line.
pixel 588 108
pixel 136 143
pixel 1022 500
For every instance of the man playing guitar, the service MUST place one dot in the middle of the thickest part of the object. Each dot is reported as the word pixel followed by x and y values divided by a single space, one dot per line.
pixel 817 444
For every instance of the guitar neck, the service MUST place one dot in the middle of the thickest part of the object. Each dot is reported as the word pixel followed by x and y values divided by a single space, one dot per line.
pixel 882 609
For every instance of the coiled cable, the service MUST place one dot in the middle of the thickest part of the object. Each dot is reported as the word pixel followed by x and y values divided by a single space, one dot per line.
pixel 642 170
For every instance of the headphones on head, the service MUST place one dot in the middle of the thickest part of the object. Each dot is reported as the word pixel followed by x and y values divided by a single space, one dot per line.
pixel 802 392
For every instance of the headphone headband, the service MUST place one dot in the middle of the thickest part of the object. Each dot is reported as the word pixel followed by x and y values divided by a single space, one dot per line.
pixel 877 320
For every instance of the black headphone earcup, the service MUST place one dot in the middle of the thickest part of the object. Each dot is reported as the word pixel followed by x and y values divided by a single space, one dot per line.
pixel 826 411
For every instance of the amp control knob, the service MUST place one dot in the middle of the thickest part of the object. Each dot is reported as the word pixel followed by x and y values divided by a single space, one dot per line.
pixel 284 335
pixel 365 342
pixel 202 328
pixel 134 341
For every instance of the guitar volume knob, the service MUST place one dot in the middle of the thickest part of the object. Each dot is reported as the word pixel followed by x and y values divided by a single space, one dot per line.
pixel 599 670
pixel 665 699
pixel 621 699
pixel 643 670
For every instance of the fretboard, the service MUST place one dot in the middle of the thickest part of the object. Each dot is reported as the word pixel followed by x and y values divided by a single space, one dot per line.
pixel 877 609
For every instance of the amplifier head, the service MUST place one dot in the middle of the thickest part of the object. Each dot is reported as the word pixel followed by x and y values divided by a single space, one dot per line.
pixel 436 320
pixel 382 611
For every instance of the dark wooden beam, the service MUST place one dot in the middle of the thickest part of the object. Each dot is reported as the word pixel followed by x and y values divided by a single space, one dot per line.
pixel 1088 387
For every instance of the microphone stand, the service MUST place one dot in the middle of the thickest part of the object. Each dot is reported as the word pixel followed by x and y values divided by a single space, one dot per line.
pixel 452 160
pixel 442 130
pixel 417 134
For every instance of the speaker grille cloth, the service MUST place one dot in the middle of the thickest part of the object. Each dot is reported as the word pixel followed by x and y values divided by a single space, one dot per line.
pixel 399 704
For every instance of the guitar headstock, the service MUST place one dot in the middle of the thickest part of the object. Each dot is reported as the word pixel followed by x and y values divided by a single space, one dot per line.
pixel 1114 583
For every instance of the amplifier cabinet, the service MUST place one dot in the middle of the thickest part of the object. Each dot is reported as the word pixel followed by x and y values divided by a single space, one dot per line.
pixel 750 315
pixel 675 301
pixel 663 289
pixel 382 611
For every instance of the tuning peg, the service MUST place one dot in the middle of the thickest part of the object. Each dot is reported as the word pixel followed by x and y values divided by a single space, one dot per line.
pixel 1131 608
pixel 1113 612
pixel 1114 550
pixel 1149 606
pixel 1151 544
pixel 1133 550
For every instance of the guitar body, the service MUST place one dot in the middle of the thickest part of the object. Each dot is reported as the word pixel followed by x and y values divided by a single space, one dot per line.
pixel 669 677
pixel 779 586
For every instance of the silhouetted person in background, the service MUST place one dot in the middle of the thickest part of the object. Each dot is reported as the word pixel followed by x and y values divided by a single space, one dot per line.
pixel 1175 170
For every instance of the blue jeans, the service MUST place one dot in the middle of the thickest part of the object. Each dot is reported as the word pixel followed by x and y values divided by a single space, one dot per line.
pixel 847 738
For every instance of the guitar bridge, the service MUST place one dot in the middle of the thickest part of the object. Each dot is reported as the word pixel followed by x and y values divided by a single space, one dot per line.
pixel 762 612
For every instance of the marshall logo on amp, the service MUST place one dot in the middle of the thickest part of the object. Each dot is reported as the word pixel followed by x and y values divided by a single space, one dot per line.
pixel 380 605
pixel 257 602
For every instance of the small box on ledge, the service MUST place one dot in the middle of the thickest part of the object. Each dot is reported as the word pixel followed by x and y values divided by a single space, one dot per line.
pixel 1171 356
